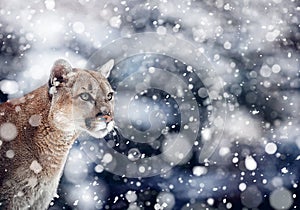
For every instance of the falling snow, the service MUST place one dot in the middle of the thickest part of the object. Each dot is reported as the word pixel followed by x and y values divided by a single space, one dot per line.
pixel 271 148
pixel 36 167
pixel 10 153
pixel 35 120
pixel 8 131
pixel 250 163
pixel 206 99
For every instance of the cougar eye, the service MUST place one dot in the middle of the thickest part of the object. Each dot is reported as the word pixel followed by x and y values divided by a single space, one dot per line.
pixel 109 96
pixel 86 97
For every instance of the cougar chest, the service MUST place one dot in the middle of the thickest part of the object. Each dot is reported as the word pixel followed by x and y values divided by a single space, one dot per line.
pixel 40 128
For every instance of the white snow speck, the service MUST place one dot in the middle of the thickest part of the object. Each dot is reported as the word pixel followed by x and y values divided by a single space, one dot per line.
pixel 202 92
pixel 9 86
pixel 227 45
pixel 265 71
pixel 199 170
pixel 284 170
pixel 165 200
pixel 250 163
pixel 75 203
pixel 10 153
pixel 276 68
pixel 224 151
pixel 161 30
pixel 189 68
pixel 151 70
pixel 206 134
pixel 36 167
pixel 235 159
pixel 272 35
pixel 99 168
pixel 154 97
pixel 270 148
pixel 50 4
pixel 134 154
pixel 242 186
pixel 35 120
pixel 8 131
pixel 107 158
pixel 131 196
pixel 227 7
pixel 78 27
pixel 115 21
pixel 142 169
pixel 210 201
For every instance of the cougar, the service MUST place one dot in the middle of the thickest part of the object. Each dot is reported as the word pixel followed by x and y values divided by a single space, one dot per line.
pixel 37 132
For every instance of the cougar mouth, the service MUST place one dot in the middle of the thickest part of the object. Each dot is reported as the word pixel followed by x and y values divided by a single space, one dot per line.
pixel 99 127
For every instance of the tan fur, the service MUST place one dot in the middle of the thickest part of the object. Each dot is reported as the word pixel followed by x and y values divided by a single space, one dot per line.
pixel 30 178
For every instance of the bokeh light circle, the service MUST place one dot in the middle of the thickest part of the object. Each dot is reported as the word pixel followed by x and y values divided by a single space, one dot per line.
pixel 147 87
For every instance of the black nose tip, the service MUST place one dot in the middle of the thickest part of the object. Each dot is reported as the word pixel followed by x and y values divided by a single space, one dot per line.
pixel 101 114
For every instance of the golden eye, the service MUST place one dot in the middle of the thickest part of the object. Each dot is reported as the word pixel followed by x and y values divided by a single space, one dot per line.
pixel 109 96
pixel 86 97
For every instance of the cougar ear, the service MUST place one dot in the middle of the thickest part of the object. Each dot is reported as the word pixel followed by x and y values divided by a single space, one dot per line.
pixel 59 72
pixel 106 68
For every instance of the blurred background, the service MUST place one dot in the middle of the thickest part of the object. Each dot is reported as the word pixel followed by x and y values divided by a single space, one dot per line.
pixel 232 147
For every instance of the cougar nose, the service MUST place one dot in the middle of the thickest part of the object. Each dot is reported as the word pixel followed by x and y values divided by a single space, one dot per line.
pixel 104 115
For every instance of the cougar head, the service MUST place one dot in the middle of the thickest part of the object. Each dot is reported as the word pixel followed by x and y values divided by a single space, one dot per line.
pixel 81 100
